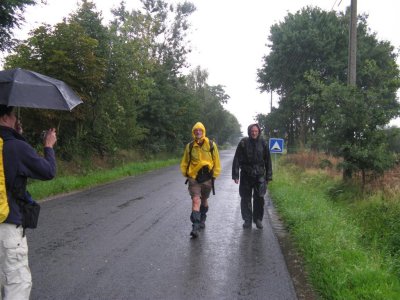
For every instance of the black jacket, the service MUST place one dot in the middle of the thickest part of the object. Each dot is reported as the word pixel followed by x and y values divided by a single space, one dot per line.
pixel 253 158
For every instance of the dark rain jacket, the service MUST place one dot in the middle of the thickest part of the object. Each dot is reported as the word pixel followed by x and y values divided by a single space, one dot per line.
pixel 253 158
pixel 21 162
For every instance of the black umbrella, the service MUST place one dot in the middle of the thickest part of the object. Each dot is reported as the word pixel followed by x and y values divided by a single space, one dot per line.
pixel 24 88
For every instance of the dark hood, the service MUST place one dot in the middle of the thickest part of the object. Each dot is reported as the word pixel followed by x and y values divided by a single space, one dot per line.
pixel 249 128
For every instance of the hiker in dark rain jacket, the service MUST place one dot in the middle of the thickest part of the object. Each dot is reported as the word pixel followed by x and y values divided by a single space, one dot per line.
pixel 253 158
pixel 20 162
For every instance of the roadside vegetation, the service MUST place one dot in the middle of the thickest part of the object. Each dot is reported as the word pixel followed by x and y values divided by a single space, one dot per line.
pixel 138 90
pixel 69 180
pixel 349 236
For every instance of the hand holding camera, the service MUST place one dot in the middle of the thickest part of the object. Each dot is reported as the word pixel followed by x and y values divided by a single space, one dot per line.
pixel 49 137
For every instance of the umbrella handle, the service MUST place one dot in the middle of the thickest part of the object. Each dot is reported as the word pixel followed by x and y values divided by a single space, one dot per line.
pixel 18 125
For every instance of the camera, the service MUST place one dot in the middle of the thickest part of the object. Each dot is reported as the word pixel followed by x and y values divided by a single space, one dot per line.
pixel 43 135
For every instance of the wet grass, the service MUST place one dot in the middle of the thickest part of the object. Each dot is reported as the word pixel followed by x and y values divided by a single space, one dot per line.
pixel 65 184
pixel 331 237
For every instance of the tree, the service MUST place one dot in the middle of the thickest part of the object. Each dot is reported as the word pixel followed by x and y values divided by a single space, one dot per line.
pixel 393 138
pixel 11 16
pixel 353 130
pixel 307 66
pixel 113 121
pixel 159 33
pixel 129 76
pixel 311 39
pixel 221 125
pixel 68 53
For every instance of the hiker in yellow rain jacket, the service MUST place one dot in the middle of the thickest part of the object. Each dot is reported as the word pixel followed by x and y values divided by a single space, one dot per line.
pixel 200 164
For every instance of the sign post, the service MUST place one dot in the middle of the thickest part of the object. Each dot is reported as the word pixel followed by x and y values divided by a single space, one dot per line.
pixel 276 146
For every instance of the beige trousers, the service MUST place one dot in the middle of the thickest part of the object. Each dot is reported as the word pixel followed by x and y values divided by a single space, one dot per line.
pixel 15 275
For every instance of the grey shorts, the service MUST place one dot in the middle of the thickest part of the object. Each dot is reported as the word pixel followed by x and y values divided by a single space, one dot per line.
pixel 202 190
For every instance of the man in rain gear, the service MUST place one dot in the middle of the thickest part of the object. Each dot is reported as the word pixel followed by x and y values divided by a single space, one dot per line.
pixel 253 158
pixel 200 164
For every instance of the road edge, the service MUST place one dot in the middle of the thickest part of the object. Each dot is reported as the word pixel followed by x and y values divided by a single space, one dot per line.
pixel 293 259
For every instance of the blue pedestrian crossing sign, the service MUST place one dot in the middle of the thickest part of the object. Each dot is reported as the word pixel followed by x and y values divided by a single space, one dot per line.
pixel 275 145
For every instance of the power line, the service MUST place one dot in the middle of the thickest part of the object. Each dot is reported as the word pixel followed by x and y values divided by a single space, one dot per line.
pixel 335 4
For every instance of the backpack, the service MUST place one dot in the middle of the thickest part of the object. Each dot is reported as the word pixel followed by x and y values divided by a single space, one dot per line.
pixel 4 208
pixel 211 149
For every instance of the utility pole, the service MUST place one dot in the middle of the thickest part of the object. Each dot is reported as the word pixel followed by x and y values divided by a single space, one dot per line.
pixel 271 102
pixel 351 68
pixel 351 76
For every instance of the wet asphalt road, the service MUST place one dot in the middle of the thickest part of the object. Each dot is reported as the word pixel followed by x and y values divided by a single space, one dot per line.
pixel 130 240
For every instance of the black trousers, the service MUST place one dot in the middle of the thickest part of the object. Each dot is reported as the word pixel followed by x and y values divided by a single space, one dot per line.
pixel 252 187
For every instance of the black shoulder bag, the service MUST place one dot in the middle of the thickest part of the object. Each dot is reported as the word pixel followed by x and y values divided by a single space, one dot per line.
pixel 30 209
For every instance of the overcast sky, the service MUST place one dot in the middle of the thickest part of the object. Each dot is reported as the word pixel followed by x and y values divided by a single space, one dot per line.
pixel 229 38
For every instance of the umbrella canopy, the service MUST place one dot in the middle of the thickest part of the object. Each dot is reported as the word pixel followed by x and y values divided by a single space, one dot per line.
pixel 24 88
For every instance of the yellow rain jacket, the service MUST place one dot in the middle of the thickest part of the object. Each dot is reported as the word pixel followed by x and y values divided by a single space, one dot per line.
pixel 201 156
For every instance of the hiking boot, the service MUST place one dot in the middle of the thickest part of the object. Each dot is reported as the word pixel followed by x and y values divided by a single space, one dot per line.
pixel 259 224
pixel 202 223
pixel 203 218
pixel 194 233
pixel 195 218
pixel 195 230
pixel 247 224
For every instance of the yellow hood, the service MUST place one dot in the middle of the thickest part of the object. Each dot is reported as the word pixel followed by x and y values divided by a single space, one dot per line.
pixel 199 125
pixel 200 155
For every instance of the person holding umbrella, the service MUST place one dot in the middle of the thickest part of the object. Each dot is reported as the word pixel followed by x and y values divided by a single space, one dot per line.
pixel 20 162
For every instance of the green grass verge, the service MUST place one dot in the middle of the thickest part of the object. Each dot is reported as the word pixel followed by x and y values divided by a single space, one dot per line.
pixel 380 222
pixel 330 239
pixel 59 185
